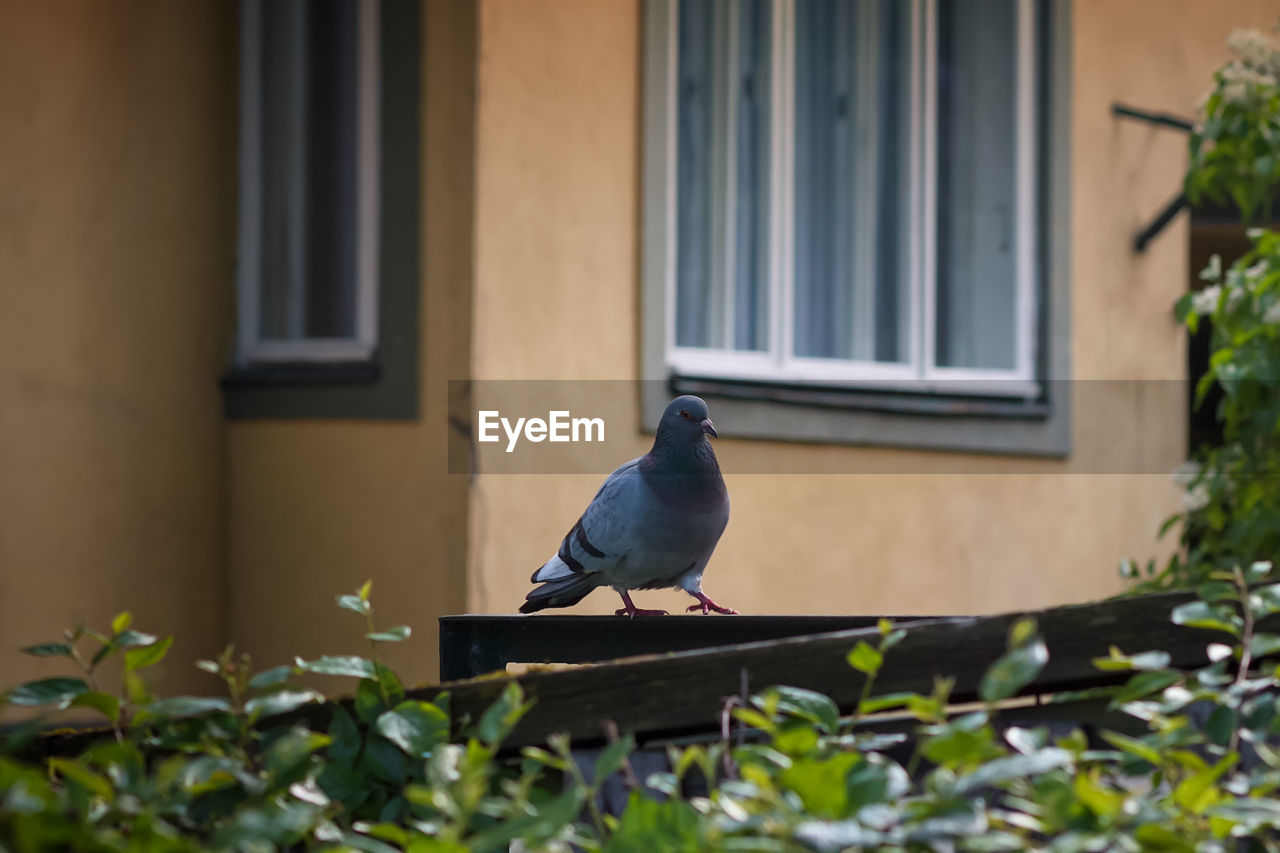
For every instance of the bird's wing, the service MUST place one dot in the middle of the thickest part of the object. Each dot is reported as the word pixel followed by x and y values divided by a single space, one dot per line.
pixel 604 534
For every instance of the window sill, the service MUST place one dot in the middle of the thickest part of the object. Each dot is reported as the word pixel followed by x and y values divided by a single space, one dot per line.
pixel 864 399
pixel 302 373
pixel 314 390
pixel 867 417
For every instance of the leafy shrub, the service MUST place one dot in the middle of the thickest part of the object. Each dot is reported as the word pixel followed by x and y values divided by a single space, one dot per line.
pixel 1231 498
pixel 1231 493
pixel 1235 149
pixel 385 772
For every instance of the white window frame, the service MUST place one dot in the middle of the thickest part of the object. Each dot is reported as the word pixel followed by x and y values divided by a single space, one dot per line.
pixel 775 362
pixel 251 348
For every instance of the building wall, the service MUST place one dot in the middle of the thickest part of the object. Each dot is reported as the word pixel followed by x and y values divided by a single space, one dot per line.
pixel 318 507
pixel 556 295
pixel 116 237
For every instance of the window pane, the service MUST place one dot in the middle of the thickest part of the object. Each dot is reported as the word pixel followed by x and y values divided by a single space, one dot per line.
pixel 751 243
pixel 851 180
pixel 721 174
pixel 976 192
pixel 309 123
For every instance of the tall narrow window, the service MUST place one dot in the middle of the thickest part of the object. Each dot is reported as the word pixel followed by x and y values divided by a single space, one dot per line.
pixel 308 268
pixel 722 167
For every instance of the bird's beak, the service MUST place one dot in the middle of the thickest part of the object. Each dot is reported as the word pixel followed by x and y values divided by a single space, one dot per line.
pixel 709 428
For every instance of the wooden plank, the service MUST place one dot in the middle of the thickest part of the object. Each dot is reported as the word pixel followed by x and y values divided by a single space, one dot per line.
pixel 685 691
pixel 472 645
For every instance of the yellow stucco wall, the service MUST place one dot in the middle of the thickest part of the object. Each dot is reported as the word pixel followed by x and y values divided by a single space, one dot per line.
pixel 317 507
pixel 556 249
pixel 116 238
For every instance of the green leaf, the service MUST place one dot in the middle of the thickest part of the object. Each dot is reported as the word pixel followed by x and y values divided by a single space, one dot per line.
pixel 103 703
pixel 383 760
pixel 1022 632
pixel 1216 591
pixel 348 665
pixel 354 603
pixel 1265 600
pixel 551 818
pixel 271 677
pixel 1196 793
pixel 1264 644
pixel 175 707
pixel 881 703
pixel 1118 660
pixel 47 691
pixel 209 666
pixel 1221 725
pixel 501 717
pixel 390 683
pixel 365 844
pixel 390 635
pixel 865 659
pixel 289 751
pixel 808 705
pixel 1133 746
pixel 280 702
pixel 121 622
pixel 955 746
pixel 1200 614
pixel 1144 684
pixel 1014 671
pixel 821 783
pixel 147 655
pixel 612 757
pixel 1257 571
pixel 365 589
pixel 1002 770
pixel 344 735
pixel 48 650
pixel 368 701
pixel 92 781
pixel 414 726
pixel 130 639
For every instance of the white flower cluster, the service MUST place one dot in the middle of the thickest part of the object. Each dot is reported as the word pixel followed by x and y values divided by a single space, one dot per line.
pixel 1185 474
pixel 1206 301
pixel 1255 49
pixel 1196 498
pixel 1240 285
pixel 1256 69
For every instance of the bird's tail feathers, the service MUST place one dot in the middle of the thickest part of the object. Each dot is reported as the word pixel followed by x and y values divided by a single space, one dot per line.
pixel 559 592
pixel 553 569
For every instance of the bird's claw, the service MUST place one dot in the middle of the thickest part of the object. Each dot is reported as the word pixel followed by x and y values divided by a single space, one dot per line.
pixel 706 605
pixel 636 611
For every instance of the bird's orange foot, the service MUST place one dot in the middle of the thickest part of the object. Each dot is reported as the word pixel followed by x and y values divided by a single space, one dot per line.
pixel 705 604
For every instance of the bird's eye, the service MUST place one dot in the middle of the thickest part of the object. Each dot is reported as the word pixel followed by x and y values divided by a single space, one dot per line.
pixel 684 413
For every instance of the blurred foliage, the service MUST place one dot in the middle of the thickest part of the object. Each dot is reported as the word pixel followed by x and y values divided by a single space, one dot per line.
pixel 1231 491
pixel 1235 148
pixel 1198 771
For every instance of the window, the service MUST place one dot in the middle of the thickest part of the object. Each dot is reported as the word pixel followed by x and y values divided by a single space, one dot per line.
pixel 308 275
pixel 851 192
pixel 859 206
pixel 326 278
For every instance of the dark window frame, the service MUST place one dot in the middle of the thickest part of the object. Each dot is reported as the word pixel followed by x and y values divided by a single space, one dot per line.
pixel 386 386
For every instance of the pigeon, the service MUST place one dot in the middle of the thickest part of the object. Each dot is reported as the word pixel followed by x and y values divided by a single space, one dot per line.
pixel 652 525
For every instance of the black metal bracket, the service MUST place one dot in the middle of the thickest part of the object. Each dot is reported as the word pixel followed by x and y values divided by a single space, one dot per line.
pixel 1175 206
